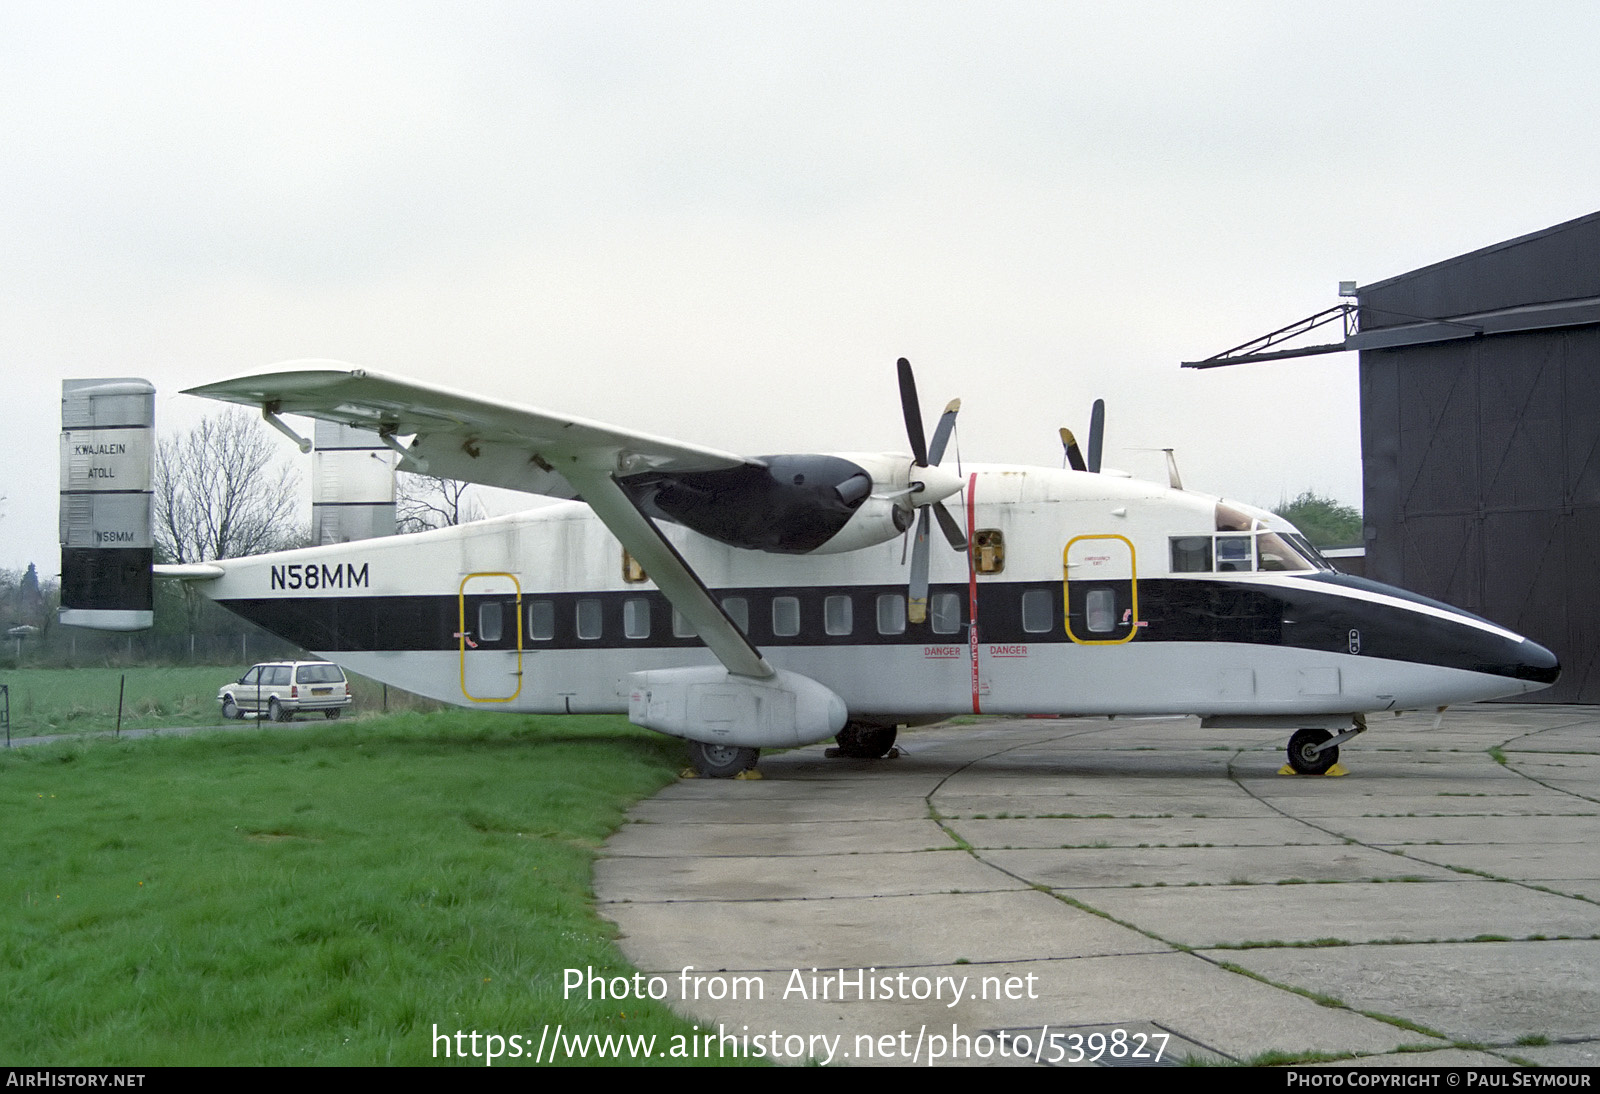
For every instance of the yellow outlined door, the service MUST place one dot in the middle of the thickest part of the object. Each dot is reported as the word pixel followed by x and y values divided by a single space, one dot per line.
pixel 489 636
pixel 1101 589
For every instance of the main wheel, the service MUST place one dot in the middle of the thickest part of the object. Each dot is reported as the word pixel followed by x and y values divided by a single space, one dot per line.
pixel 860 741
pixel 276 712
pixel 1304 757
pixel 331 713
pixel 714 761
pixel 230 710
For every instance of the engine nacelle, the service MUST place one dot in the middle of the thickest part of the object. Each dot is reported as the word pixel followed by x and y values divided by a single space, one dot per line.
pixel 708 703
pixel 878 520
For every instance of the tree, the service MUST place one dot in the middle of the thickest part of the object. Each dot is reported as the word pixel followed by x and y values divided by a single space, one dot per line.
pixel 423 501
pixel 1324 521
pixel 221 492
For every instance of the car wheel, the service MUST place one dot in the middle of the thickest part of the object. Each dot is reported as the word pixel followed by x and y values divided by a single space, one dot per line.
pixel 276 712
pixel 230 709
pixel 332 714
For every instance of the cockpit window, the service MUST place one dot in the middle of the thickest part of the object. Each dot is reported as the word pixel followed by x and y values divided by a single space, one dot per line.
pixel 1234 554
pixel 1230 519
pixel 1191 554
pixel 1242 553
pixel 1275 554
pixel 1308 551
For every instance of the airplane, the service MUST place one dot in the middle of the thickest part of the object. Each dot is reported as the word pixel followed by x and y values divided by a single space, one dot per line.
pixel 747 603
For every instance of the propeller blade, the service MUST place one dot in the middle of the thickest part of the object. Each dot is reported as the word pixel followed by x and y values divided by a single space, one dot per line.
pixel 950 526
pixel 942 431
pixel 917 604
pixel 1074 456
pixel 1097 431
pixel 913 412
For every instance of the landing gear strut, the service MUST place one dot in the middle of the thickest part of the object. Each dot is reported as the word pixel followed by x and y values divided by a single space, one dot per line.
pixel 715 761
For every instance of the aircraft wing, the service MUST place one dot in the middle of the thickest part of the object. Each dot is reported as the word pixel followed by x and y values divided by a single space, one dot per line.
pixel 465 437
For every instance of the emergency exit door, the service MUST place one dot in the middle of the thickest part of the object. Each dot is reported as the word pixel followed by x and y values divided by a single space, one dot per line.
pixel 489 637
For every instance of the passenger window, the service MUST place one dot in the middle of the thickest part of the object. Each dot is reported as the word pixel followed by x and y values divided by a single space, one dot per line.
pixel 1036 611
pixel 785 616
pixel 589 619
pixel 1234 554
pixel 945 616
pixel 277 675
pixel 837 615
pixel 681 627
pixel 490 622
pixel 636 618
pixel 1191 554
pixel 1100 611
pixel 738 609
pixel 252 676
pixel 541 620
pixel 891 614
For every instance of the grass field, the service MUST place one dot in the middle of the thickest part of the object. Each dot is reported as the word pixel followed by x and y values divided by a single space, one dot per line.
pixel 322 894
pixel 84 700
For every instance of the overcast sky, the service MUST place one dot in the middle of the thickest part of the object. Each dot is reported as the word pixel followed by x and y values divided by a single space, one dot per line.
pixel 723 222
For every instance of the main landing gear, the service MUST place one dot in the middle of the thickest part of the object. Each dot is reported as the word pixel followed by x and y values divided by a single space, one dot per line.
pixel 717 761
pixel 860 741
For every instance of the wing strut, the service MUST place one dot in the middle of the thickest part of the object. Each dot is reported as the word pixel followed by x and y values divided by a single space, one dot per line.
pixel 667 569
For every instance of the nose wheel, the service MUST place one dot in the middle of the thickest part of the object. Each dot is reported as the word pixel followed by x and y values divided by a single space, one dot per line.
pixel 1309 752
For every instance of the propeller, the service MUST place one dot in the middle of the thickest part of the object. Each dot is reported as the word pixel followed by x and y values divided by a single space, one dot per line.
pixel 1097 430
pixel 935 487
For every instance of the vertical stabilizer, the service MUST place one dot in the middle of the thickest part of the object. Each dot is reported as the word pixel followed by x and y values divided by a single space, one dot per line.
pixel 107 472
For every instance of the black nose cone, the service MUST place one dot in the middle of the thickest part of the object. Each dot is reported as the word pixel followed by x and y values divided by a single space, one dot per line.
pixel 1534 662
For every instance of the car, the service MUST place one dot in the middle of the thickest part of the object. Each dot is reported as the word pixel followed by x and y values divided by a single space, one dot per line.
pixel 281 689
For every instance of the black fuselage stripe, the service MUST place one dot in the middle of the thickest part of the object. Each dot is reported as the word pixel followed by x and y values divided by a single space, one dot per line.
pixel 1170 610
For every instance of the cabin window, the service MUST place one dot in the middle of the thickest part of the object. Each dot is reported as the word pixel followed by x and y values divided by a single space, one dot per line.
pixel 681 627
pixel 837 612
pixel 785 616
pixel 989 551
pixel 277 674
pixel 491 623
pixel 1100 611
pixel 738 609
pixel 632 572
pixel 1191 554
pixel 1036 611
pixel 251 676
pixel 589 617
pixel 945 613
pixel 891 614
pixel 541 620
pixel 636 618
pixel 1235 554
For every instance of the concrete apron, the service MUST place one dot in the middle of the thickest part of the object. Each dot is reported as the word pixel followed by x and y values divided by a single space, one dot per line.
pixel 1041 891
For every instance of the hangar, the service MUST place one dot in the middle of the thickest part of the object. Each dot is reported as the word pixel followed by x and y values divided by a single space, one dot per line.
pixel 1480 435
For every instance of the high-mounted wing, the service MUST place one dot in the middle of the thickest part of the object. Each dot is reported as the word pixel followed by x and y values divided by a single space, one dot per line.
pixel 463 437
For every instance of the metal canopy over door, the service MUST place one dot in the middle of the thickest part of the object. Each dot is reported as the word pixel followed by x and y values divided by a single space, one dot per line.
pixel 1101 590
pixel 489 636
